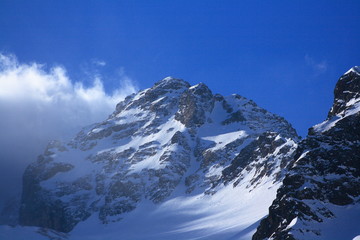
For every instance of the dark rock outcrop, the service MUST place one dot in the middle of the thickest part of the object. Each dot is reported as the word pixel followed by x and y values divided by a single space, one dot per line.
pixel 325 172
pixel 347 89
pixel 194 104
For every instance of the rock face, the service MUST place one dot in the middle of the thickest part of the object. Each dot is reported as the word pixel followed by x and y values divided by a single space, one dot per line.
pixel 171 136
pixel 322 187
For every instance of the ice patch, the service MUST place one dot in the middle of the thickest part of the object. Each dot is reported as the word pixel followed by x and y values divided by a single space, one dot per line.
pixel 195 86
pixel 97 130
pixel 292 223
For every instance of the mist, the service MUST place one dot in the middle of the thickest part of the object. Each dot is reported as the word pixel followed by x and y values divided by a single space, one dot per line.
pixel 38 105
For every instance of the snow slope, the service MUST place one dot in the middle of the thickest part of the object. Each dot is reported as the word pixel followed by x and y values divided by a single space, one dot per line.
pixel 231 213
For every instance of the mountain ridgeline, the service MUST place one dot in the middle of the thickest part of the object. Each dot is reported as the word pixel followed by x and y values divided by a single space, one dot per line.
pixel 177 141
pixel 320 194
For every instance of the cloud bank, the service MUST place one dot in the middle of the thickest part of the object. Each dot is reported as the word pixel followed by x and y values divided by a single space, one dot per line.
pixel 38 105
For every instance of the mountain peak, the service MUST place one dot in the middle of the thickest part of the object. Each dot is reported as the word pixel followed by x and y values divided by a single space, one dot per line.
pixel 355 69
pixel 321 187
pixel 165 141
pixel 171 83
pixel 346 93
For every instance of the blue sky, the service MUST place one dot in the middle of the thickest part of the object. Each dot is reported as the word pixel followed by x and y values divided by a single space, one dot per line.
pixel 285 55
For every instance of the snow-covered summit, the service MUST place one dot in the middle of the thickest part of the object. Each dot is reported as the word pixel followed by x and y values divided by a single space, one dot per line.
pixel 346 93
pixel 171 83
pixel 184 163
pixel 168 141
pixel 355 69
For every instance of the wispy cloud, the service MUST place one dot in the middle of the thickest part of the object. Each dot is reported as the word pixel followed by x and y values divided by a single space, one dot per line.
pixel 98 62
pixel 318 67
pixel 38 105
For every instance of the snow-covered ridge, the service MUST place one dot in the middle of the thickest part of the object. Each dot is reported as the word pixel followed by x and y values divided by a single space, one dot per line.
pixel 355 69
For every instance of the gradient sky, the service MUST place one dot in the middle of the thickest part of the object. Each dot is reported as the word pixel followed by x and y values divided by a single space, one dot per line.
pixel 284 55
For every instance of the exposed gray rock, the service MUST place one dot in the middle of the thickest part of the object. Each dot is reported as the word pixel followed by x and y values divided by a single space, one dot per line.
pixel 194 104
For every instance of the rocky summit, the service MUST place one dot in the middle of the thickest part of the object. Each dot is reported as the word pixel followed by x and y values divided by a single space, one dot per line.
pixel 320 195
pixel 167 141
pixel 177 161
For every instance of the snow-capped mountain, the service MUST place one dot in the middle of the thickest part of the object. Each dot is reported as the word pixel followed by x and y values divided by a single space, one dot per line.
pixel 320 195
pixel 177 160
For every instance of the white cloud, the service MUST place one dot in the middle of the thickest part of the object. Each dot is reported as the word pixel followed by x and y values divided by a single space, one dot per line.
pixel 318 67
pixel 38 105
pixel 98 62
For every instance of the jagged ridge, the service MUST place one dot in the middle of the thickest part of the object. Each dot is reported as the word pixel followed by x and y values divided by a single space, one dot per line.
pixel 324 179
pixel 170 136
